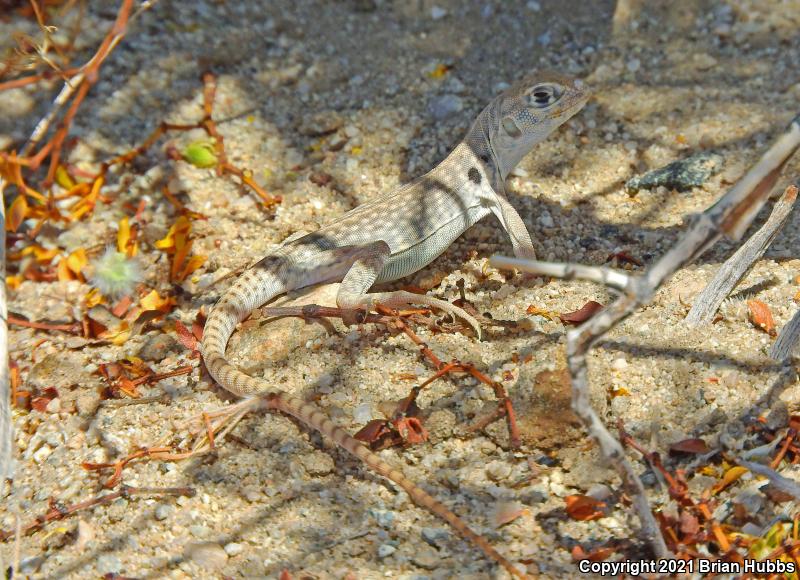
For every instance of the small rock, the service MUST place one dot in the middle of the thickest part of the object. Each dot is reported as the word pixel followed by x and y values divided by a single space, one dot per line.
pixel 546 220
pixel 427 558
pixel 445 106
pixel 438 13
pixel 633 65
pixel 318 463
pixel 434 535
pixel 320 124
pixel 385 550
pixel 233 549
pixel 163 511
pixel 533 6
pixel 362 413
pixel 440 424
pixel 109 564
pixel 619 364
pixel 207 555
pixel 158 347
pixel 31 565
pixel 498 470
pixel 680 175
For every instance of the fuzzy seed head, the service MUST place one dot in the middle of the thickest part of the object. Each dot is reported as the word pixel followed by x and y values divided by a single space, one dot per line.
pixel 115 274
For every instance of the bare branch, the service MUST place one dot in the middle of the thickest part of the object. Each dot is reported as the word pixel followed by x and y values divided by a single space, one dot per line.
pixel 730 215
pixel 597 274
pixel 787 339
pixel 737 266
pixel 782 483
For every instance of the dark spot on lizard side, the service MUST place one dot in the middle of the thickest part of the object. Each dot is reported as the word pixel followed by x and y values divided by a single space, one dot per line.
pixel 485 158
pixel 474 176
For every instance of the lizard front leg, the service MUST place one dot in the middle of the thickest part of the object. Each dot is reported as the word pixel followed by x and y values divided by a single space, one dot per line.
pixel 514 226
pixel 367 265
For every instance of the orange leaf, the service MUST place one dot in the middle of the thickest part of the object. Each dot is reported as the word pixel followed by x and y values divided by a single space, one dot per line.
pixel 583 314
pixel 155 302
pixel 761 317
pixel 16 213
pixel 193 264
pixel 176 236
pixel 584 507
pixel 730 476
pixel 13 282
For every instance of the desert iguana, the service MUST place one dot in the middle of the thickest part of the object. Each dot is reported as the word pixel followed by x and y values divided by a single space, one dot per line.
pixel 392 236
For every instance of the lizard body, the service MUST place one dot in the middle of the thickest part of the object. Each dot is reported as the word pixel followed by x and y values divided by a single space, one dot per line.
pixel 394 235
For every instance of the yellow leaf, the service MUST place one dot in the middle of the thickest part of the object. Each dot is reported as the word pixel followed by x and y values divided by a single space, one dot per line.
pixel 63 178
pixel 155 302
pixel 63 272
pixel 620 392
pixel 93 298
pixel 13 282
pixel 176 236
pixel 16 213
pixel 119 334
pixel 193 264
pixel 356 150
pixel 43 255
pixel 730 476
pixel 123 235
pixel 76 262
pixel 439 71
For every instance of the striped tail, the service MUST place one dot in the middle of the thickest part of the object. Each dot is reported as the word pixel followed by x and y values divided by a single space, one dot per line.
pixel 233 307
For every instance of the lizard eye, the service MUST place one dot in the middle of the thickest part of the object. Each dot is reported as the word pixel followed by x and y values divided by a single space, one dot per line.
pixel 543 95
pixel 511 128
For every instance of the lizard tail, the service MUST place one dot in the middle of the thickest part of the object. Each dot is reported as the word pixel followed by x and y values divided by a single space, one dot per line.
pixel 317 420
pixel 234 306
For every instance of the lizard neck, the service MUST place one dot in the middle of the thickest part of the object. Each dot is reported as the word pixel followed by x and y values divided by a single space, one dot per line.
pixel 479 141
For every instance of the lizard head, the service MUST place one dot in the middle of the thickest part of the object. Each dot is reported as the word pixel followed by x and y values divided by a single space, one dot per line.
pixel 528 112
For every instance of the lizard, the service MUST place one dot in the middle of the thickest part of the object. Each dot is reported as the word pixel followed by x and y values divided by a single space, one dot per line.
pixel 394 235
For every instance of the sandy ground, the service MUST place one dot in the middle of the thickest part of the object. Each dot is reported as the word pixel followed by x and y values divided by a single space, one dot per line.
pixel 677 79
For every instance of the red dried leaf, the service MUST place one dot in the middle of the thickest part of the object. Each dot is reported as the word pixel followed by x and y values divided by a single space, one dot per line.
pixel 689 446
pixel 285 575
pixel 761 317
pixel 371 431
pixel 411 430
pixel 185 336
pixel 121 307
pixel 584 507
pixel 40 403
pixel 581 315
pixel 794 422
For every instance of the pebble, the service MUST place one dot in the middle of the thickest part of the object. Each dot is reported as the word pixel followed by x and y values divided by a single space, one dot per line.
pixel 362 413
pixel 546 220
pixel 318 463
pixel 233 549
pixel 498 470
pixel 619 364
pixel 207 555
pixel 445 106
pixel 533 6
pixel 426 557
pixel 108 563
pixel 157 347
pixel 385 550
pixel 633 65
pixel 434 535
pixel 437 13
pixel 163 511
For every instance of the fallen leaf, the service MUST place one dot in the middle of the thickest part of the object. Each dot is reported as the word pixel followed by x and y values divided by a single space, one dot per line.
pixel 536 311
pixel 505 512
pixel 583 314
pixel 689 446
pixel 185 336
pixel 153 301
pixel 761 317
pixel 730 476
pixel 16 213
pixel 439 71
pixel 63 178
pixel 125 244
pixel 584 507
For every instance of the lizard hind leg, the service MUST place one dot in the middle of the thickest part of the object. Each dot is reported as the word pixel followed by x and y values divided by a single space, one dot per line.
pixel 366 267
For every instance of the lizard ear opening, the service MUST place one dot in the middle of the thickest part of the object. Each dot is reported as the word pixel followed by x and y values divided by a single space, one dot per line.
pixel 511 128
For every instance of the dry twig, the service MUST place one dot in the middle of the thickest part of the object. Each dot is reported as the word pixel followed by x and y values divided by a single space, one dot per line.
pixel 730 215
pixel 735 267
